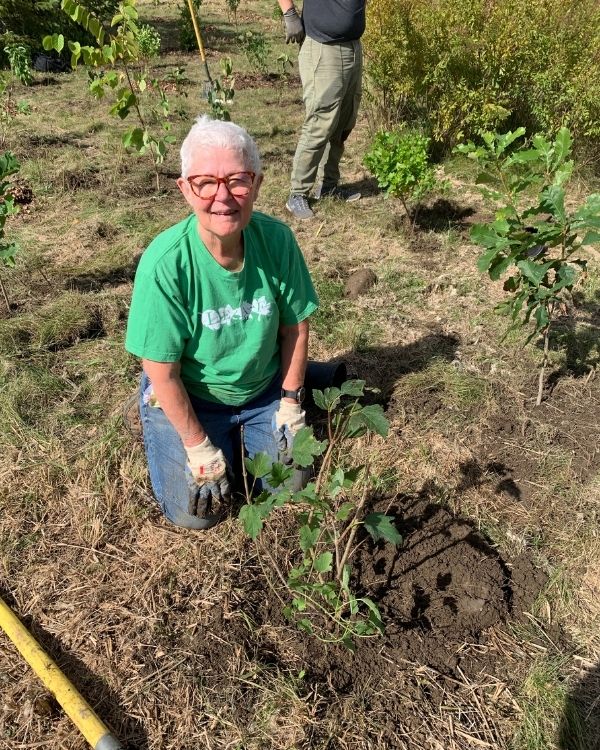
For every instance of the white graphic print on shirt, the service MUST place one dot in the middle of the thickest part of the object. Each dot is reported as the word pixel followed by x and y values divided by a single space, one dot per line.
pixel 224 316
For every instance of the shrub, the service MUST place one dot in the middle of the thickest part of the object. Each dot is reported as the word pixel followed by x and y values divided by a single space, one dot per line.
pixel 148 41
pixel 27 21
pixel 462 66
pixel 537 233
pixel 400 162
pixel 187 35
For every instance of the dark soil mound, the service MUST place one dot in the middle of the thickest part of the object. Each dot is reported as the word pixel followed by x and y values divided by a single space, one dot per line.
pixel 440 594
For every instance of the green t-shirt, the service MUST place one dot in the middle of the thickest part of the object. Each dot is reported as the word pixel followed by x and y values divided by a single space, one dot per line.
pixel 222 326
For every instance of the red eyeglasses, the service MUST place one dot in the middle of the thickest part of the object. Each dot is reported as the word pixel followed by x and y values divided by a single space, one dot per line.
pixel 206 186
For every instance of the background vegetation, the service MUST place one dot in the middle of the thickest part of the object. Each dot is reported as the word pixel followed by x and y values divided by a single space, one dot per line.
pixel 458 66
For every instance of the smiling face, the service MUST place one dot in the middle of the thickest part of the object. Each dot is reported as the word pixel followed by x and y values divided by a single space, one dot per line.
pixel 221 219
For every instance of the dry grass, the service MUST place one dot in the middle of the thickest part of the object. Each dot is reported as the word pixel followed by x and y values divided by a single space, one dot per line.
pixel 149 620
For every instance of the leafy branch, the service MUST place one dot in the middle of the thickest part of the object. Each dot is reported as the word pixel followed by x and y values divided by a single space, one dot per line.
pixel 8 250
pixel 534 236
pixel 112 67
pixel 329 512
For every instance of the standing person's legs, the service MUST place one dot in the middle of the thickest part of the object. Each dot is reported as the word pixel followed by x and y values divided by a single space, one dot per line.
pixel 172 483
pixel 329 169
pixel 323 86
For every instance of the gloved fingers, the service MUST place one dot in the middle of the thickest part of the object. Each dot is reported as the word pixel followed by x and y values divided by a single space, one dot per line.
pixel 281 440
pixel 222 490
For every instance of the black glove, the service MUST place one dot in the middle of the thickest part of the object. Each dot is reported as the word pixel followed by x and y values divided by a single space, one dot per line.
pixel 294 28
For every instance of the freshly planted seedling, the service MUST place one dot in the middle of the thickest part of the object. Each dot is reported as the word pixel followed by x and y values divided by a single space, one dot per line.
pixel 19 58
pixel 257 50
pixel 329 512
pixel 8 250
pixel 232 7
pixel 400 163
pixel 534 236
pixel 113 67
pixel 222 91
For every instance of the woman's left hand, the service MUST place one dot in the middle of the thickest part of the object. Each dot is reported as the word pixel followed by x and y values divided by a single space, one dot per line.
pixel 287 421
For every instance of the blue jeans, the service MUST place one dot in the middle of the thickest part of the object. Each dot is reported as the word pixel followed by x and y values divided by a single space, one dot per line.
pixel 172 482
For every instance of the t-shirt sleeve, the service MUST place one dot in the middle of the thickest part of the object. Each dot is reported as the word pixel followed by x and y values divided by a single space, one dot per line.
pixel 298 298
pixel 158 325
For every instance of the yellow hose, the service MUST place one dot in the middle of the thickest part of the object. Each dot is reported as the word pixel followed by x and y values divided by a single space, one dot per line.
pixel 199 39
pixel 74 705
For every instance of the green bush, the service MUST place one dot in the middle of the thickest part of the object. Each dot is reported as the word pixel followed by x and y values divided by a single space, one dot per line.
pixel 187 35
pixel 400 162
pixel 28 21
pixel 458 67
pixel 148 41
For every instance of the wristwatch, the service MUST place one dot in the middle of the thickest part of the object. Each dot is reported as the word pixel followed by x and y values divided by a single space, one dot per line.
pixel 297 395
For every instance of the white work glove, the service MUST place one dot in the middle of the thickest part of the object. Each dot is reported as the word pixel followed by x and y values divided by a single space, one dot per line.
pixel 294 28
pixel 288 420
pixel 209 469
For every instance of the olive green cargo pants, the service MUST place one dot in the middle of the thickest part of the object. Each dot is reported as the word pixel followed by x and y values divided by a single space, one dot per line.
pixel 331 77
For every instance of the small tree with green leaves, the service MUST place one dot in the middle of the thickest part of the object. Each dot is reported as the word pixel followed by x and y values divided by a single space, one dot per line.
pixel 19 58
pixel 221 93
pixel 534 237
pixel 232 7
pixel 399 161
pixel 257 49
pixel 329 513
pixel 114 66
pixel 8 250
pixel 148 41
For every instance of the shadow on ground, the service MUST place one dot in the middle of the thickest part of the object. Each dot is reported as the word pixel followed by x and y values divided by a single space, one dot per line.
pixel 580 725
pixel 382 366
pixel 92 687
pixel 443 215
pixel 96 280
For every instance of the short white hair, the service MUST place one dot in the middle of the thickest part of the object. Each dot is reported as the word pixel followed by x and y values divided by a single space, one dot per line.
pixel 207 133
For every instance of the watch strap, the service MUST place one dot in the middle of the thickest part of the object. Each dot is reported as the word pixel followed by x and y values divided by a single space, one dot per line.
pixel 297 395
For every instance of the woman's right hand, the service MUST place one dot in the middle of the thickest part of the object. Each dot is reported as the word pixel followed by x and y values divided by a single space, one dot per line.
pixel 206 462
pixel 209 469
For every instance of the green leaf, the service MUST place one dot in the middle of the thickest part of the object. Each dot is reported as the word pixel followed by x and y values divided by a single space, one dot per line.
pixel 591 238
pixel 305 447
pixel 8 164
pixel 487 258
pixel 380 526
pixel 344 511
pixel 55 42
pixel 308 537
pixel 259 466
pixel 498 266
pixel 134 138
pixel 331 397
pixel 533 271
pixel 541 317
pixel 371 418
pixel 374 614
pixel 553 201
pixel 251 520
pixel 562 147
pixel 323 562
pixel 299 604
pixel 305 625
pixel 279 474
pixel 354 388
pixel 319 399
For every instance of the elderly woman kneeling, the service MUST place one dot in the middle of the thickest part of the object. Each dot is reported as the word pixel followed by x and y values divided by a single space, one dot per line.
pixel 219 317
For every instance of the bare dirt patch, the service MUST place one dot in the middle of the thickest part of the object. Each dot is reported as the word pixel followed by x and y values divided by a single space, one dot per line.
pixel 441 595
